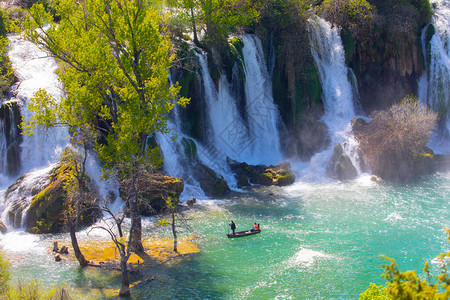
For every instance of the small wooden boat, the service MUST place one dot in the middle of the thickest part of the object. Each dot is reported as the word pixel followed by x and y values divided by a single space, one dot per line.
pixel 243 233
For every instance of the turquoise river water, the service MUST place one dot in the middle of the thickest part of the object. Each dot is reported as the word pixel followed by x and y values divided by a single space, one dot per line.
pixel 318 241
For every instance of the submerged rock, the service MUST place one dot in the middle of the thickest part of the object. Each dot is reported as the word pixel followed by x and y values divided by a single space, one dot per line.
pixel 280 175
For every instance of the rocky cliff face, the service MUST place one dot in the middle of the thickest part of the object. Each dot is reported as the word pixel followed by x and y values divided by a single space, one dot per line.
pixel 388 59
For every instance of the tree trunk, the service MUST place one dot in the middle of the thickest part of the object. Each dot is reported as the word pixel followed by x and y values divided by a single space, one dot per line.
pixel 125 286
pixel 194 28
pixel 76 249
pixel 174 231
pixel 136 226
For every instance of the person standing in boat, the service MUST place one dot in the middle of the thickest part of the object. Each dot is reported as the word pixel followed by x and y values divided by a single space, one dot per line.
pixel 233 226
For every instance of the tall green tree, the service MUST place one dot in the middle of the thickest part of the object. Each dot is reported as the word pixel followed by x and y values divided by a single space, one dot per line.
pixel 216 19
pixel 114 65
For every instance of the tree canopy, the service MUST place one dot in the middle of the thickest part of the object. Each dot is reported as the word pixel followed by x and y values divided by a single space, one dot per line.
pixel 114 68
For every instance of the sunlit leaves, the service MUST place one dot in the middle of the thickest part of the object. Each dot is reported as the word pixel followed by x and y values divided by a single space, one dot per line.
pixel 114 67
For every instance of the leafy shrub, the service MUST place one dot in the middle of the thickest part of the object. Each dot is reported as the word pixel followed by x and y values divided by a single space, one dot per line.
pixel 394 142
pixel 407 285
pixel 356 15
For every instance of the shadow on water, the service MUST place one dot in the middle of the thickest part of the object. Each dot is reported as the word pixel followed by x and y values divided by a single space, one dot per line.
pixel 183 277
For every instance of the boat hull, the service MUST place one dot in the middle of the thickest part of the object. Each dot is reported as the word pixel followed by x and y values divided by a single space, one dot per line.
pixel 243 233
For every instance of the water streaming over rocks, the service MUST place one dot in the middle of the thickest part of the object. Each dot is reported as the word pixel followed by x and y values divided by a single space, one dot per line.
pixel 338 96
pixel 434 87
pixel 36 70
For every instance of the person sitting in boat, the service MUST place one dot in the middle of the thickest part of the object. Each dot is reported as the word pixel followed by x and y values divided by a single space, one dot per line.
pixel 233 226
pixel 254 227
pixel 257 227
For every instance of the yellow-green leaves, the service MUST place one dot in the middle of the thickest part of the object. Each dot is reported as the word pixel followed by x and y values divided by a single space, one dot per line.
pixel 114 67
pixel 44 108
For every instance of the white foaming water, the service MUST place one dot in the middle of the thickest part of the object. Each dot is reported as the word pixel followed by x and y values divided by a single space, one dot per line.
pixel 255 139
pixel 173 153
pixel 18 241
pixel 228 135
pixel 21 196
pixel 36 70
pixel 306 258
pixel 262 114
pixel 338 94
pixel 434 87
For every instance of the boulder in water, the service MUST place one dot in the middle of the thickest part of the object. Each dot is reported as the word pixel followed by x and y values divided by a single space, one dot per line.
pixel 280 175
pixel 158 188
pixel 46 213
pixel 191 202
pixel 212 184
pixel 341 165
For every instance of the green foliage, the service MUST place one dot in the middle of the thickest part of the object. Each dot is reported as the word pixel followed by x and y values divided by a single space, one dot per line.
pixel 356 15
pixel 11 19
pixel 374 293
pixel 26 291
pixel 114 73
pixel 216 18
pixel 407 285
pixel 4 274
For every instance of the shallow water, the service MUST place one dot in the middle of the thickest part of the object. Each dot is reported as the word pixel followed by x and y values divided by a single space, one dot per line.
pixel 317 241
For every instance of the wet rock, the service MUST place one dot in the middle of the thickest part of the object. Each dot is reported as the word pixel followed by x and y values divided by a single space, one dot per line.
pixel 242 180
pixel 212 184
pixel 3 228
pixel 58 258
pixel 280 175
pixel 191 202
pixel 341 165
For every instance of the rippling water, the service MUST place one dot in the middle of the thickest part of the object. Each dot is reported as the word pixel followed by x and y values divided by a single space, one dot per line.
pixel 317 241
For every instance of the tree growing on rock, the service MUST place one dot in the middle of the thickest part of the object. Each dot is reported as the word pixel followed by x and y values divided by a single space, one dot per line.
pixel 114 63
pixel 80 199
pixel 394 142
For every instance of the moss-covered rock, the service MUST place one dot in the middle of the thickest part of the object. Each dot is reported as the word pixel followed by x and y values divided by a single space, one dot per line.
pixel 279 175
pixel 46 213
pixel 157 188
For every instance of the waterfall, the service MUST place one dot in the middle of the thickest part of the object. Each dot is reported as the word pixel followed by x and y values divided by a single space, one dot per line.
pixel 10 139
pixel 38 153
pixel 262 114
pixel 253 138
pixel 434 87
pixel 338 95
pixel 36 69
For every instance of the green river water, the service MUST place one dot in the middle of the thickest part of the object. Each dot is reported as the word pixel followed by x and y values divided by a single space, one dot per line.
pixel 318 241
